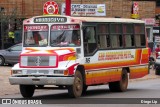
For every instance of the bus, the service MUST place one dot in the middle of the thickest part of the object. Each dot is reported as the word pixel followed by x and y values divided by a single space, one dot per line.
pixel 76 52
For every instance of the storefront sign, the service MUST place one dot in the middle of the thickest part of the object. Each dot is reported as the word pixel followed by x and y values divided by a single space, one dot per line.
pixel 155 31
pixel 149 21
pixel 50 20
pixel 157 39
pixel 50 7
pixel 86 9
pixel 135 10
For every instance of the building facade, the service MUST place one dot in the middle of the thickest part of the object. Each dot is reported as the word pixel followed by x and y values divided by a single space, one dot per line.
pixel 114 8
pixel 120 8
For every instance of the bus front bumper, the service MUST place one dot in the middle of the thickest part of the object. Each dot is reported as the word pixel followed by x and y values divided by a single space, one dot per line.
pixel 41 80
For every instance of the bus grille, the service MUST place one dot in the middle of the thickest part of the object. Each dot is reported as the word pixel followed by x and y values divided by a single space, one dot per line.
pixel 34 61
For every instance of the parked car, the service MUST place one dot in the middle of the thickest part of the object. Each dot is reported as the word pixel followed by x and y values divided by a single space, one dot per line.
pixel 10 55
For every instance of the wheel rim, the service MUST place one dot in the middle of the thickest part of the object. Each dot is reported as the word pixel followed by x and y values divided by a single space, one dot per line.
pixel 78 85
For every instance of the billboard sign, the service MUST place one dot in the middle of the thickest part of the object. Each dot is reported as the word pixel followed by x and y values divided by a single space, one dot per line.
pixel 86 9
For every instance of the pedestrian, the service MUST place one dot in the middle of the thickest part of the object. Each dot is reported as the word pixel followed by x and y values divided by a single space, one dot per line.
pixel 157 50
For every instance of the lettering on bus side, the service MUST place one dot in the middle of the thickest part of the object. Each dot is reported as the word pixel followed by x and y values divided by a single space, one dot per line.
pixel 50 20
pixel 87 60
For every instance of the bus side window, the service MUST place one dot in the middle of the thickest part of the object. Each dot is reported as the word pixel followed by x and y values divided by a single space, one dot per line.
pixel 139 35
pixel 128 33
pixel 129 40
pixel 116 35
pixel 117 41
pixel 90 44
pixel 103 36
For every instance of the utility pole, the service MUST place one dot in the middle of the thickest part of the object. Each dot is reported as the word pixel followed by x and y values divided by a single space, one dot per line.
pixel 68 7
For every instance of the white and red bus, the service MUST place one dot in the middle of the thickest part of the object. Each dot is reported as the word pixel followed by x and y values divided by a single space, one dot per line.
pixel 77 52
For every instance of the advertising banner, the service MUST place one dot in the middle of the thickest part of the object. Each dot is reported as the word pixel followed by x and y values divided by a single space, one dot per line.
pixel 86 9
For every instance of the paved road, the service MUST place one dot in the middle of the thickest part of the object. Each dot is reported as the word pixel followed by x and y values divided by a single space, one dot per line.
pixel 7 89
pixel 147 87
pixel 138 93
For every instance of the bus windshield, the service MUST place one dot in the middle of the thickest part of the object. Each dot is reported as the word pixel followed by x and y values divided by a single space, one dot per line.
pixel 35 35
pixel 65 35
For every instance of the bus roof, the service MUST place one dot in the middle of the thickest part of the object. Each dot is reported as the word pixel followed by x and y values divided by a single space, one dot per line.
pixel 101 19
pixel 95 19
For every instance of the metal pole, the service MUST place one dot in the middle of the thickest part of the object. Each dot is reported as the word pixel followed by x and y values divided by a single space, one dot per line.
pixel 68 7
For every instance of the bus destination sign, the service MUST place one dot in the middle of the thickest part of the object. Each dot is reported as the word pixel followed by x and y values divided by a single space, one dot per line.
pixel 50 20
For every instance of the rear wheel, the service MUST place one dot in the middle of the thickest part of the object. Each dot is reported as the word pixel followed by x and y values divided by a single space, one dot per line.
pixel 75 90
pixel 84 89
pixel 27 91
pixel 1 60
pixel 120 86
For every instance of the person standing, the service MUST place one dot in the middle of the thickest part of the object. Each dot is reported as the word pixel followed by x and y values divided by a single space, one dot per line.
pixel 157 50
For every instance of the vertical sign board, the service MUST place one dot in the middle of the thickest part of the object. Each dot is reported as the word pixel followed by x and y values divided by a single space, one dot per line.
pixel 135 10
pixel 50 7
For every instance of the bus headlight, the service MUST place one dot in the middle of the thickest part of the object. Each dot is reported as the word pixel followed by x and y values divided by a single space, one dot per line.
pixel 16 71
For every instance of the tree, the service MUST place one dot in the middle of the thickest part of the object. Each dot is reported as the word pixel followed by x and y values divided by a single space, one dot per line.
pixel 7 23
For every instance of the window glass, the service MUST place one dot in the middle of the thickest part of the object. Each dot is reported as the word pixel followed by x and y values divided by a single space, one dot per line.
pixel 104 41
pixel 139 28
pixel 90 44
pixel 140 40
pixel 116 41
pixel 115 28
pixel 128 28
pixel 35 35
pixel 16 48
pixel 65 35
pixel 102 28
pixel 129 40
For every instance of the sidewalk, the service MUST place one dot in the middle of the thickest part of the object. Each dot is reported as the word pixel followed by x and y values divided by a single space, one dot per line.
pixel 151 75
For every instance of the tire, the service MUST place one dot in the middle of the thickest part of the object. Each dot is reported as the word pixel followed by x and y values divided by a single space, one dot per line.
pixel 1 60
pixel 84 89
pixel 76 89
pixel 40 86
pixel 27 91
pixel 157 71
pixel 120 86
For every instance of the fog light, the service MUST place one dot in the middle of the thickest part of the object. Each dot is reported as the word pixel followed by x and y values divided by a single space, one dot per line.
pixel 16 72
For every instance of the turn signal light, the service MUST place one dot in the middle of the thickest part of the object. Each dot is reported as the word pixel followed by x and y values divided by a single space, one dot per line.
pixel 66 72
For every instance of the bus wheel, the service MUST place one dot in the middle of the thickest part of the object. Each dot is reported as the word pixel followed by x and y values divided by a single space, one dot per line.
pixel 75 90
pixel 84 89
pixel 27 91
pixel 120 86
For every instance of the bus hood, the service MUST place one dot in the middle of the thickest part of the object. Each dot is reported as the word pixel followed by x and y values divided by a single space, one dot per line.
pixel 47 58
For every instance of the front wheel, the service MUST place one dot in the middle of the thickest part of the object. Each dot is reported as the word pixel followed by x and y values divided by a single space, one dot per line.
pixel 27 91
pixel 76 89
pixel 120 86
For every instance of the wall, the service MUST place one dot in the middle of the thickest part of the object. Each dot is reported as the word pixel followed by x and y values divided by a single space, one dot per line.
pixel 121 8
